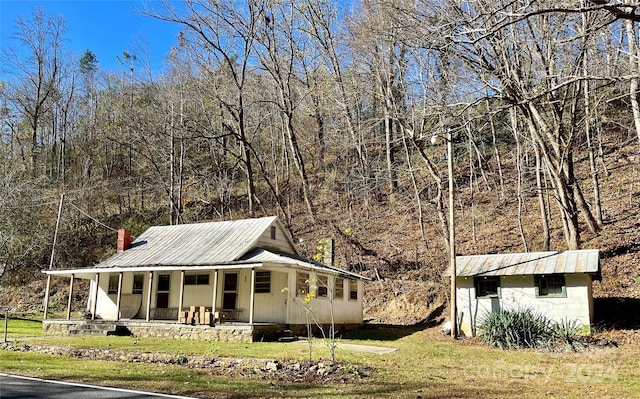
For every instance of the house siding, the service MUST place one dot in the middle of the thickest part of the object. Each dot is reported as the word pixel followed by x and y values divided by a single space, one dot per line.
pixel 272 307
pixel 345 311
pixel 519 292
pixel 106 305
pixel 281 243
pixel 280 305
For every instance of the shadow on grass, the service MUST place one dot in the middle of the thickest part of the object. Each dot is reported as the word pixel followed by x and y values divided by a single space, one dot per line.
pixel 384 332
pixel 24 318
pixel 391 332
pixel 245 389
pixel 371 389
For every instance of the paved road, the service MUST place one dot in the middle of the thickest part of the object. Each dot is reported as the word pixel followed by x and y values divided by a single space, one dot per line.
pixel 16 387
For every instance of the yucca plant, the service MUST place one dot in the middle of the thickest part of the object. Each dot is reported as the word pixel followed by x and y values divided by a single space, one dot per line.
pixel 513 329
pixel 567 333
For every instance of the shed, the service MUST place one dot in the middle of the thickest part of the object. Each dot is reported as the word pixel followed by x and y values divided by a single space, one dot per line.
pixel 555 284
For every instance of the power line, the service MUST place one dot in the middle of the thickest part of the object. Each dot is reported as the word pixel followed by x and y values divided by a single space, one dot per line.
pixel 91 217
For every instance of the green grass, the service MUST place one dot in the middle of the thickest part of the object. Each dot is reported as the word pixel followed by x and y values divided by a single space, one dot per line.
pixel 426 364
pixel 18 328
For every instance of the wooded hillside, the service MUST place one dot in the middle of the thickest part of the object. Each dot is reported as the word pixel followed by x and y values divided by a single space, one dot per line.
pixel 324 116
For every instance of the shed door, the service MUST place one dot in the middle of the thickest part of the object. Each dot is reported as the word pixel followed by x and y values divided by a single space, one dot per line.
pixel 230 292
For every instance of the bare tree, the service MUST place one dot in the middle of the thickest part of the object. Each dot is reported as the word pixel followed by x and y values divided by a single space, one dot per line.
pixel 321 23
pixel 282 44
pixel 23 227
pixel 36 66
pixel 224 33
pixel 589 119
pixel 378 42
pixel 527 58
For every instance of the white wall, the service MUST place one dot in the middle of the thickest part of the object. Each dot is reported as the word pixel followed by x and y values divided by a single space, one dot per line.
pixel 345 311
pixel 277 306
pixel 518 292
pixel 106 308
pixel 194 295
pixel 272 307
pixel 281 242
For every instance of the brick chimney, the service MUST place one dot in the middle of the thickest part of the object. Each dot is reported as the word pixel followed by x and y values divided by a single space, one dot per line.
pixel 124 240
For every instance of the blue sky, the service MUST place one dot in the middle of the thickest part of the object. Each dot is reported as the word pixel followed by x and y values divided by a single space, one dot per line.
pixel 105 27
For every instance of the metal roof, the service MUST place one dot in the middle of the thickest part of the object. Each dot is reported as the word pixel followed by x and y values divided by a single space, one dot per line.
pixel 266 257
pixel 206 246
pixel 199 244
pixel 561 262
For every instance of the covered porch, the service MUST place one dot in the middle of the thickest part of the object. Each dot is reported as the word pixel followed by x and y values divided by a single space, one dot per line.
pixel 204 296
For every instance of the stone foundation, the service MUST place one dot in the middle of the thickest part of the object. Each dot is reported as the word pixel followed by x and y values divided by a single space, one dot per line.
pixel 201 333
pixel 220 333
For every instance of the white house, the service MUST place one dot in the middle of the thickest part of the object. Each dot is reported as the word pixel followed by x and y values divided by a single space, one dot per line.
pixel 233 272
pixel 556 284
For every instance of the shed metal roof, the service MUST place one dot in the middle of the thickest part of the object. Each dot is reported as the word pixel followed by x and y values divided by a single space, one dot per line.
pixel 560 262
pixel 198 244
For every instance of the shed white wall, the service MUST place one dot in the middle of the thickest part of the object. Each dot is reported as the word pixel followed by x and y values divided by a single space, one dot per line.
pixel 518 292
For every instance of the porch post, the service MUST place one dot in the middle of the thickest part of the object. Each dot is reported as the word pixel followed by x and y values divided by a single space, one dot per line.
pixel 73 276
pixel 119 296
pixel 95 298
pixel 215 290
pixel 253 294
pixel 148 316
pixel 46 297
pixel 181 299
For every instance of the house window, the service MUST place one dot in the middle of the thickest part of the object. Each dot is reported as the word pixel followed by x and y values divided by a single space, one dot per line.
pixel 138 283
pixel 196 279
pixel 302 284
pixel 263 282
pixel 273 232
pixel 353 290
pixel 113 284
pixel 552 285
pixel 487 287
pixel 338 290
pixel 323 286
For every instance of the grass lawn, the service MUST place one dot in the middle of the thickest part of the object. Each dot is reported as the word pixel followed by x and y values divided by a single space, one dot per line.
pixel 426 365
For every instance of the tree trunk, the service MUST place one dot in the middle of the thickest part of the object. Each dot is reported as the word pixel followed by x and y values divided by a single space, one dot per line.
pixel 514 128
pixel 560 174
pixel 299 162
pixel 634 63
pixel 592 157
pixel 416 191
pixel 496 151
pixel 439 197
pixel 544 218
